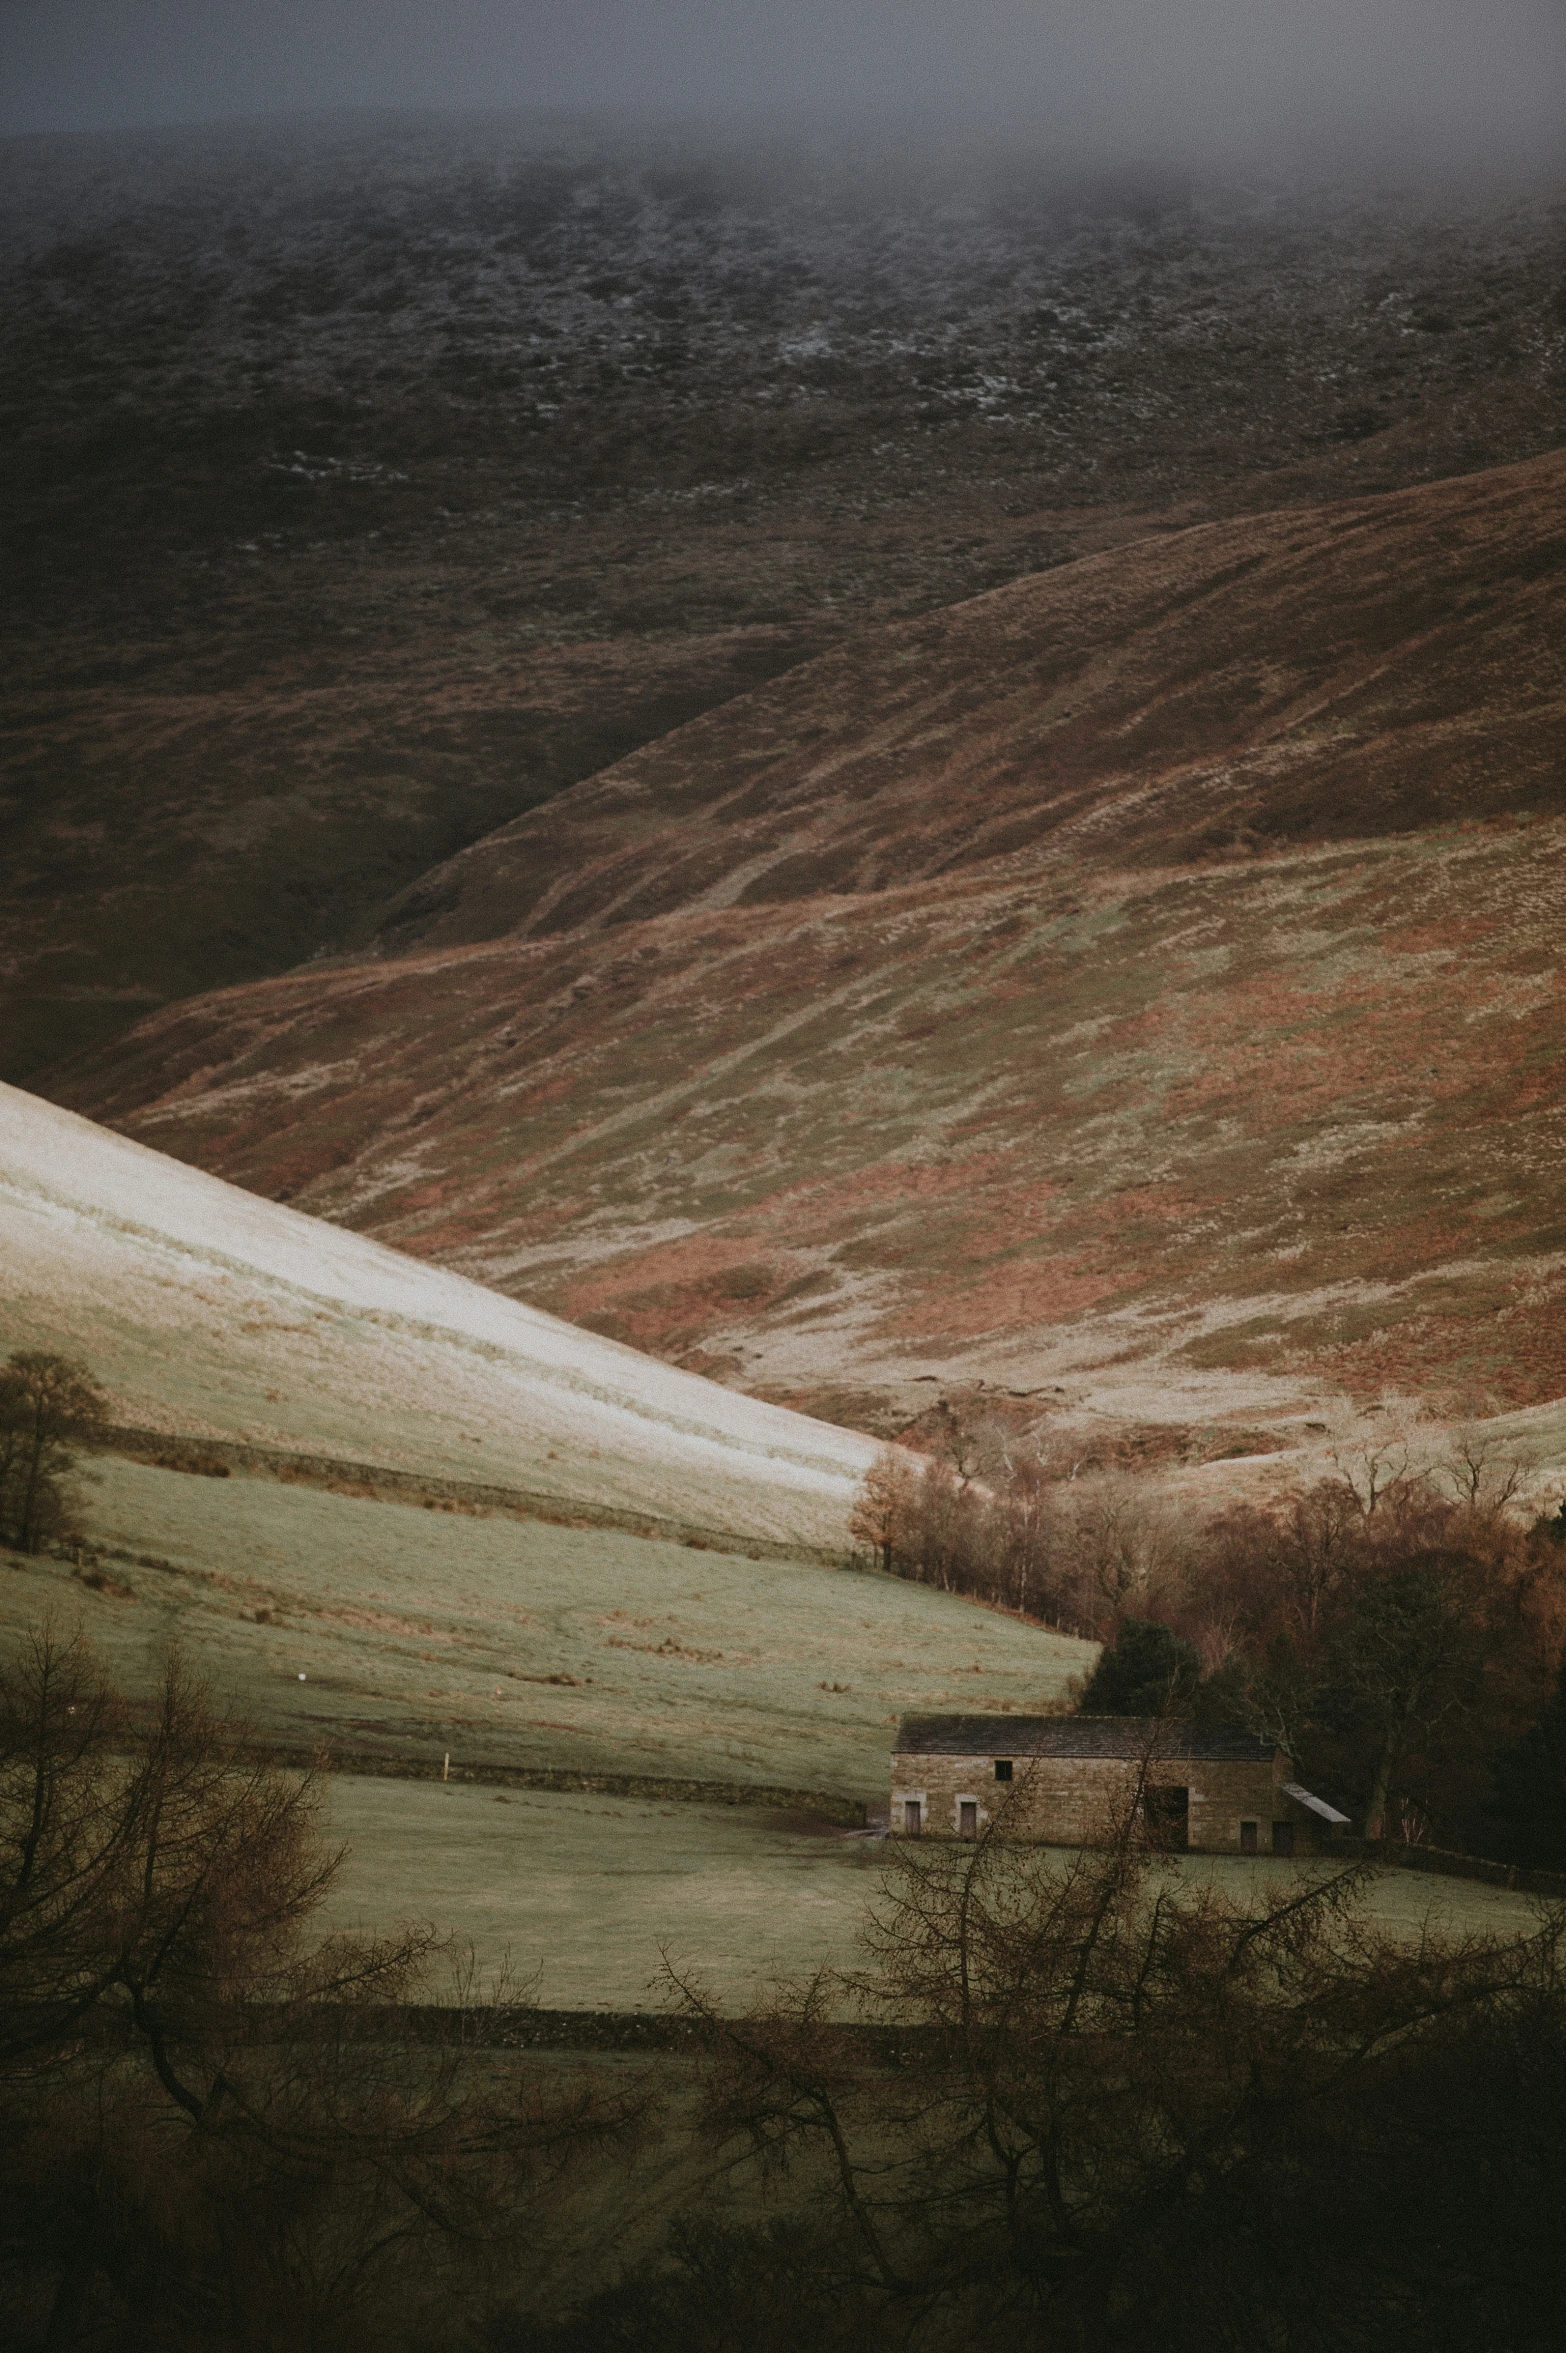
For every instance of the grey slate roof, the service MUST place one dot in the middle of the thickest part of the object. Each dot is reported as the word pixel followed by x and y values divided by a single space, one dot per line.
pixel 1074 1736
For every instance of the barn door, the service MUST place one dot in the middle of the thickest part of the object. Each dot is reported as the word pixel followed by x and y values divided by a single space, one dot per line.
pixel 1169 1815
pixel 911 1816
pixel 968 1818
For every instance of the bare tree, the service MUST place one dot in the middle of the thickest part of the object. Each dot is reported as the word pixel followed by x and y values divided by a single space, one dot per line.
pixel 1483 1471
pixel 1118 1547
pixel 964 1448
pixel 1321 1533
pixel 48 1404
pixel 1118 2094
pixel 1022 1531
pixel 213 2128
pixel 1372 1469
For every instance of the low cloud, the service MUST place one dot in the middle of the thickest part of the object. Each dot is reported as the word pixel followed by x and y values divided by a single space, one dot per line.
pixel 1458 79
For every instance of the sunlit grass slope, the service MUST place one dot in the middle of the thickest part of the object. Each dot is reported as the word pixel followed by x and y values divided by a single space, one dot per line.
pixel 208 1312
pixel 520 1643
pixel 372 1625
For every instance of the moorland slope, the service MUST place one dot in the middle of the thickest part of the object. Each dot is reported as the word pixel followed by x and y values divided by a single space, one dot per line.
pixel 1137 986
pixel 1361 669
pixel 613 1572
pixel 367 480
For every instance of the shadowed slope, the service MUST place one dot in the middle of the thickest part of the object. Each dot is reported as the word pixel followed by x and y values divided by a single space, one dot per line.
pixel 1350 670
pixel 1140 982
pixel 366 481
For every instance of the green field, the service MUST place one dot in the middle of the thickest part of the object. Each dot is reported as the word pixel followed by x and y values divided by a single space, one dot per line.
pixel 516 1642
pixel 584 1891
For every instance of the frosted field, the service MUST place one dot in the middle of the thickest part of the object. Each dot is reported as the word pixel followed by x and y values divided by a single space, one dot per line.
pixel 522 1643
pixel 584 1890
pixel 210 1312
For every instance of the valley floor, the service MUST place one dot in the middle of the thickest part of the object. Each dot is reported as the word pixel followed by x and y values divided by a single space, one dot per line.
pixel 583 1896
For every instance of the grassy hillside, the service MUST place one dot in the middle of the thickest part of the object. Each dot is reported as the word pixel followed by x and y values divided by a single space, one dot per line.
pixel 342 1615
pixel 519 1643
pixel 210 1314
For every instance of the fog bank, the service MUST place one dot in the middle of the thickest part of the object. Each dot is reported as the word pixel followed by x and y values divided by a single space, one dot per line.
pixel 1194 79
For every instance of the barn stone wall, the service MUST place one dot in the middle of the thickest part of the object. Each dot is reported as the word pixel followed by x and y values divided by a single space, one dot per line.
pixel 1070 1801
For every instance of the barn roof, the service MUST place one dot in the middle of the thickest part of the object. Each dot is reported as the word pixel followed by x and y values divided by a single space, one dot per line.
pixel 1076 1736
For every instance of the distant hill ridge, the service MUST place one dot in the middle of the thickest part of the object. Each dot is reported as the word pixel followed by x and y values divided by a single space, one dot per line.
pixel 1364 668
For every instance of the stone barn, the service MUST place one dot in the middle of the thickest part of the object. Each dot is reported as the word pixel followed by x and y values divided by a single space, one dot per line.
pixel 1063 1779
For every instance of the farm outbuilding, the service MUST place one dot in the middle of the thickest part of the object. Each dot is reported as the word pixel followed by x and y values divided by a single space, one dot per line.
pixel 1064 1779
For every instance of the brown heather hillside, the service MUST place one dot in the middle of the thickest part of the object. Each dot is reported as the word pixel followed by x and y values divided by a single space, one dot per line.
pixel 369 481
pixel 1137 985
pixel 1363 668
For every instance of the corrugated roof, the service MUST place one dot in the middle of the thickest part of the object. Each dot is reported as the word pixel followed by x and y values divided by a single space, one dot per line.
pixel 1075 1736
pixel 1317 1805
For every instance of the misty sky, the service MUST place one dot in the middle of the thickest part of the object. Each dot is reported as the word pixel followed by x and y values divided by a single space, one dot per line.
pixel 1473 75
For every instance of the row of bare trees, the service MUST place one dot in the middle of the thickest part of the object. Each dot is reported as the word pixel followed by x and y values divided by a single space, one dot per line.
pixel 1022 1529
pixel 1397 1633
pixel 1071 1553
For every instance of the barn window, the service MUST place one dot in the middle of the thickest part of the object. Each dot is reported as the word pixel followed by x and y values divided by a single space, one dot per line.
pixel 1003 1768
pixel 1283 1838
pixel 1248 1832
pixel 911 1816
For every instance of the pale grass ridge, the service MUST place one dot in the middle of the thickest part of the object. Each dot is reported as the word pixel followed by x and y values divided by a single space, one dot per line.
pixel 210 1312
